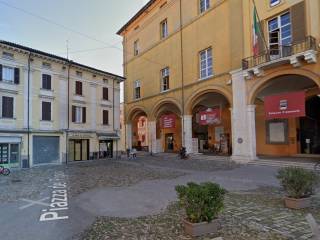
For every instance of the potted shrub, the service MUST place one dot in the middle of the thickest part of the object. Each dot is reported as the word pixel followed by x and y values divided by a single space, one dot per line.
pixel 202 203
pixel 299 185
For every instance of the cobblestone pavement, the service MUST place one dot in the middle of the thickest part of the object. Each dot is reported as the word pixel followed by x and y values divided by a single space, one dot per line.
pixel 32 183
pixel 247 216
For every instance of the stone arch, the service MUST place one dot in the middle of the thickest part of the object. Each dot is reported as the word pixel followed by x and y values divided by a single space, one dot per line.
pixel 156 109
pixel 262 83
pixel 212 89
pixel 134 111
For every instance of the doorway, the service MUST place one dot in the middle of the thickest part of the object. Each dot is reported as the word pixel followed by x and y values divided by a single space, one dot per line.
pixel 79 149
pixel 169 142
pixel 106 149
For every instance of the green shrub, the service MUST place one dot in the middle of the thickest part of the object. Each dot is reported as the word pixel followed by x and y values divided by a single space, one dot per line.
pixel 298 182
pixel 202 202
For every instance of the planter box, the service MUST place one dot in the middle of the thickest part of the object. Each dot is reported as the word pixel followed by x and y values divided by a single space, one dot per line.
pixel 294 203
pixel 198 229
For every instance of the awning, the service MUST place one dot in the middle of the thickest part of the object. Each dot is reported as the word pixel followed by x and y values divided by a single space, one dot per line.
pixel 108 136
pixel 10 139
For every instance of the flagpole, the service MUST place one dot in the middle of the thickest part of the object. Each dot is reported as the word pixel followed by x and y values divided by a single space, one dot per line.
pixel 261 29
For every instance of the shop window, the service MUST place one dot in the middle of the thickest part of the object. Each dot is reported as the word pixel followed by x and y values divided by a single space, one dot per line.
pixel 277 131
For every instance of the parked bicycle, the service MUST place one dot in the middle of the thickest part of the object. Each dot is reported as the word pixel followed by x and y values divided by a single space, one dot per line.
pixel 4 171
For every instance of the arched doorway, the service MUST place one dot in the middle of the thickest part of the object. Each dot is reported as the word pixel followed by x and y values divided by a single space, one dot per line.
pixel 211 124
pixel 288 131
pixel 138 130
pixel 168 127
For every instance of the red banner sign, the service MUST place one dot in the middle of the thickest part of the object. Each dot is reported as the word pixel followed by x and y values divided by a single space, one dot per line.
pixel 168 121
pixel 286 105
pixel 210 117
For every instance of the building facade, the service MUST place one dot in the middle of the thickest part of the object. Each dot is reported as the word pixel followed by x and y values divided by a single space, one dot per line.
pixel 203 71
pixel 54 110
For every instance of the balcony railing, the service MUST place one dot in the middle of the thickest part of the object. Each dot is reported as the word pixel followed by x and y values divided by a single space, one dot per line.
pixel 279 52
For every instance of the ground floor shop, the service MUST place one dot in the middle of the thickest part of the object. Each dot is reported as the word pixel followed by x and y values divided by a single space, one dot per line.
pixel 22 150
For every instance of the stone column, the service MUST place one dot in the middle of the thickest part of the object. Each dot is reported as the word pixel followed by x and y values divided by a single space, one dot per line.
pixel 128 136
pixel 252 140
pixel 152 131
pixel 243 121
pixel 188 133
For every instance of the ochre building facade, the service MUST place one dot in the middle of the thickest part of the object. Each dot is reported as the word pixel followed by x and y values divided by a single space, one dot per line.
pixel 200 71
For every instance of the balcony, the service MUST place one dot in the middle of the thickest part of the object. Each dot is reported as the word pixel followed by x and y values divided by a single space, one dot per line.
pixel 293 54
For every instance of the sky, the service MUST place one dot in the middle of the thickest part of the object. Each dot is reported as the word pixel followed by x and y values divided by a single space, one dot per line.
pixel 95 19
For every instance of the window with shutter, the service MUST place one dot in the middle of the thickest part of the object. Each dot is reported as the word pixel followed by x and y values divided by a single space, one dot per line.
pixel 105 116
pixel 46 82
pixel 16 76
pixel 78 88
pixel 8 74
pixel 84 115
pixel 298 19
pixel 73 113
pixel 46 111
pixel 105 93
pixel 7 107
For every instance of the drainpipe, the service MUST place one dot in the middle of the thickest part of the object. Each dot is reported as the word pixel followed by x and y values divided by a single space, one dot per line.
pixel 182 74
pixel 113 117
pixel 68 114
pixel 28 122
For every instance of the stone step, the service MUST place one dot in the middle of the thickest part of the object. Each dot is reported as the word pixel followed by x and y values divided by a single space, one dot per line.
pixel 274 163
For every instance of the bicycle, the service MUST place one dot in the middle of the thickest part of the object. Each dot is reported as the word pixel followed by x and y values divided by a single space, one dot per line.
pixel 4 171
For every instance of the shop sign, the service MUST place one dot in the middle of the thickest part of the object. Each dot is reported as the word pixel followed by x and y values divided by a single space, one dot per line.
pixel 210 116
pixel 168 121
pixel 286 105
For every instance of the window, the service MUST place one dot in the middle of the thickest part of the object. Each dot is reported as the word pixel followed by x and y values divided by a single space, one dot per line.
pixel 46 65
pixel 105 117
pixel 274 2
pixel 9 74
pixel 7 107
pixel 105 93
pixel 78 114
pixel 277 131
pixel 7 55
pixel 137 88
pixel 206 69
pixel 79 74
pixel 46 81
pixel 46 111
pixel 204 5
pixel 164 29
pixel 165 77
pixel 136 48
pixel 78 88
pixel 280 34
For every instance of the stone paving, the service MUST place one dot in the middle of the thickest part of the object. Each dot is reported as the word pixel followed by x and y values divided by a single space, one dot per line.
pixel 32 183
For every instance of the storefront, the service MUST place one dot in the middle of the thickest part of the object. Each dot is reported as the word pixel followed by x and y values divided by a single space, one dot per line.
pixel 79 149
pixel 169 131
pixel 108 145
pixel 10 153
pixel 46 150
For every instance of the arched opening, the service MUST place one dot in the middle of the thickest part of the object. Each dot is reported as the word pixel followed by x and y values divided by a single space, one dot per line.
pixel 139 130
pixel 211 124
pixel 168 128
pixel 288 117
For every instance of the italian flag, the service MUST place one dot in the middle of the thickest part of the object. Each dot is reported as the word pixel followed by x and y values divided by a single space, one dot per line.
pixel 256 32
